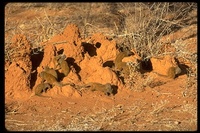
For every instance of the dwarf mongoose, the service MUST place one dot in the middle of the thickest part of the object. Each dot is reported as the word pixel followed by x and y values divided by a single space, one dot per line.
pixel 106 88
pixel 59 60
pixel 122 66
pixel 121 55
pixel 51 71
pixel 40 88
pixel 55 61
pixel 52 80
pixel 64 66
pixel 171 72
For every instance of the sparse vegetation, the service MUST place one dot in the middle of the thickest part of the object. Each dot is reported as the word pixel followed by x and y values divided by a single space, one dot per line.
pixel 152 29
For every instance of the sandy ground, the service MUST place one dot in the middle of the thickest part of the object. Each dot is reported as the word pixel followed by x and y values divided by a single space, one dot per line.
pixel 141 100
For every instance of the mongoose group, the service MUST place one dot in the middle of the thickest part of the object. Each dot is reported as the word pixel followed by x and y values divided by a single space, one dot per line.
pixel 51 77
pixel 172 72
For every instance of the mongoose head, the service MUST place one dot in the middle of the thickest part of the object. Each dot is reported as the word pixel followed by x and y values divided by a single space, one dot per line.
pixel 173 71
pixel 42 74
pixel 46 68
pixel 61 59
pixel 57 58
pixel 109 89
pixel 128 53
pixel 177 70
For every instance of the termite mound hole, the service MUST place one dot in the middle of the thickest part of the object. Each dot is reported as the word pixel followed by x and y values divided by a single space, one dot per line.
pixel 71 62
pixel 109 64
pixel 146 66
pixel 90 49
pixel 36 59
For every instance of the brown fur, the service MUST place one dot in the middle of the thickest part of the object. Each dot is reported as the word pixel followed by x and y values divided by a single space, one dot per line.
pixel 52 80
pixel 64 66
pixel 171 72
pixel 40 88
pixel 51 71
pixel 105 88
pixel 60 63
pixel 55 61
pixel 122 66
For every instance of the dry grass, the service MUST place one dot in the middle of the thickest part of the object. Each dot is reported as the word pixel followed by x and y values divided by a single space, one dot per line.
pixel 118 118
pixel 145 26
pixel 138 26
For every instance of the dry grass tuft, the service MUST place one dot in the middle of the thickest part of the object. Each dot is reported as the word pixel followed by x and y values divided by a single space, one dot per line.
pixel 138 26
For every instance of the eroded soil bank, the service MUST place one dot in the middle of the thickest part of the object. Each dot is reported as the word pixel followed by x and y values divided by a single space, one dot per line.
pixel 143 98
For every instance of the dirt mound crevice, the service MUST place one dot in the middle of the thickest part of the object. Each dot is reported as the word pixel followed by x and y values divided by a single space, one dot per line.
pixel 89 60
pixel 109 66
pixel 36 59
pixel 90 49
